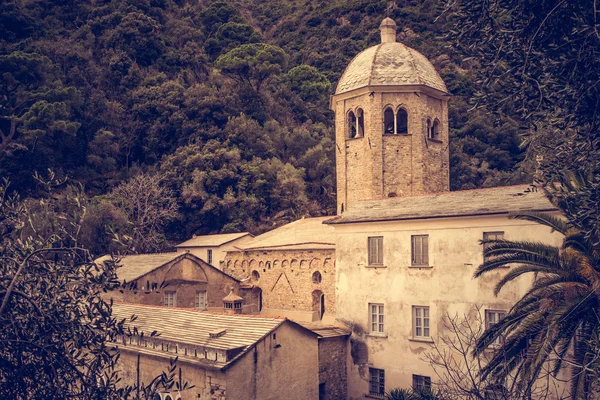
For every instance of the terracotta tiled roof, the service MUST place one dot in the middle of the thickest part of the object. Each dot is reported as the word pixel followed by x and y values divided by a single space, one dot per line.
pixel 497 200
pixel 305 233
pixel 389 64
pixel 212 240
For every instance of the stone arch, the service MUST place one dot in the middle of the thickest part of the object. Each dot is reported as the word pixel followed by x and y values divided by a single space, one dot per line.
pixel 327 264
pixel 261 264
pixel 186 269
pixel 388 120
pixel 428 128
pixel 360 122
pixel 294 264
pixel 285 264
pixel 268 264
pixel 435 129
pixel 236 264
pixel 303 264
pixel 275 264
pixel 244 265
pixel 253 264
pixel 318 303
pixel 402 121
pixel 228 264
pixel 317 277
pixel 255 275
pixel 315 263
pixel 350 125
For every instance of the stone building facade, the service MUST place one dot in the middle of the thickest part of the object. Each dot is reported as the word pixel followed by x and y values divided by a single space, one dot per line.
pixel 391 118
pixel 179 280
pixel 293 267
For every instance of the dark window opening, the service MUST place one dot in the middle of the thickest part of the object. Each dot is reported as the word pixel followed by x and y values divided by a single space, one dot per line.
pixel 351 125
pixel 435 130
pixel 361 123
pixel 388 121
pixel 402 121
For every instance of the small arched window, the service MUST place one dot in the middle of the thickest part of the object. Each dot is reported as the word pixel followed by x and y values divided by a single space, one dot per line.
pixel 435 129
pixel 361 122
pixel 388 121
pixel 429 128
pixel 351 125
pixel 402 121
pixel 255 275
pixel 316 277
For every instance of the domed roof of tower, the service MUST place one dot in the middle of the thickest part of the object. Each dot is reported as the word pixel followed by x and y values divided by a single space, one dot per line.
pixel 389 63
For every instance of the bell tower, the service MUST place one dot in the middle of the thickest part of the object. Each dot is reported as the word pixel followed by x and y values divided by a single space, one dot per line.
pixel 391 123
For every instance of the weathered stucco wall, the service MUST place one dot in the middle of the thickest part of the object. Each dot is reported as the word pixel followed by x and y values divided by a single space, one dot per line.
pixel 333 354
pixel 446 287
pixel 284 366
pixel 286 277
pixel 208 384
pixel 186 277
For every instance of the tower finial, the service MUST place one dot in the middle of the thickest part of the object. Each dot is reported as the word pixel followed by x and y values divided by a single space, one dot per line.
pixel 388 30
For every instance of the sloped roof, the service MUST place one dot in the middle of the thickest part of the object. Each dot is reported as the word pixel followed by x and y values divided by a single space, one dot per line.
pixel 498 200
pixel 213 240
pixel 305 233
pixel 194 327
pixel 133 266
pixel 326 331
pixel 389 64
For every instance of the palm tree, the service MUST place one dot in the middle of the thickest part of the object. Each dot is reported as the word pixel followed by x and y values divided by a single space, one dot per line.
pixel 555 324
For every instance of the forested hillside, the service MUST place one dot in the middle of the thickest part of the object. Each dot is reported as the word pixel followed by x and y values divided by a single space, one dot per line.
pixel 220 109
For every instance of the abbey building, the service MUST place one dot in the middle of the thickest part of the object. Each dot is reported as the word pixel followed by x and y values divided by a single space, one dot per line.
pixel 351 302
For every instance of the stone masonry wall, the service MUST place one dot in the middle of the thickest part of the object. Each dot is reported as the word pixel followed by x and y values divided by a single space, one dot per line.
pixel 378 165
pixel 333 353
pixel 286 277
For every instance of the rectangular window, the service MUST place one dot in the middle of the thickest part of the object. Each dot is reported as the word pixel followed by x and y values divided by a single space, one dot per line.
pixel 420 249
pixel 421 322
pixel 376 317
pixel 170 299
pixel 421 383
pixel 490 236
pixel 376 382
pixel 493 317
pixel 209 256
pixel 376 250
pixel 201 300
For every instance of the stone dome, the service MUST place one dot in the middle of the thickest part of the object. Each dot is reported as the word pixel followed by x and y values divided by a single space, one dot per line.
pixel 389 63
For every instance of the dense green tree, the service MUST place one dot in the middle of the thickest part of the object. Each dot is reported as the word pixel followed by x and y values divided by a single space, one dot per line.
pixel 56 330
pixel 229 36
pixel 309 83
pixel 253 63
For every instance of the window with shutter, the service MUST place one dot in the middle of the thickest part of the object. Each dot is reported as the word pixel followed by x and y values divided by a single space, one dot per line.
pixel 376 382
pixel 420 249
pixel 375 245
pixel 201 300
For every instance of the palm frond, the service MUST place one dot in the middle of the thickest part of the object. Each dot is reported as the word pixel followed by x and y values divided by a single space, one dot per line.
pixel 556 224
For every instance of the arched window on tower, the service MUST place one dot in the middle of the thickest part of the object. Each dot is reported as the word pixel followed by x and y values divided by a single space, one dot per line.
pixel 351 125
pixel 435 129
pixel 429 128
pixel 402 121
pixel 388 121
pixel 361 122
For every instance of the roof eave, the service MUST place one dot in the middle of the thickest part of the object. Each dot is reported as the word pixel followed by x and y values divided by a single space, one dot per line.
pixel 388 219
pixel 421 88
